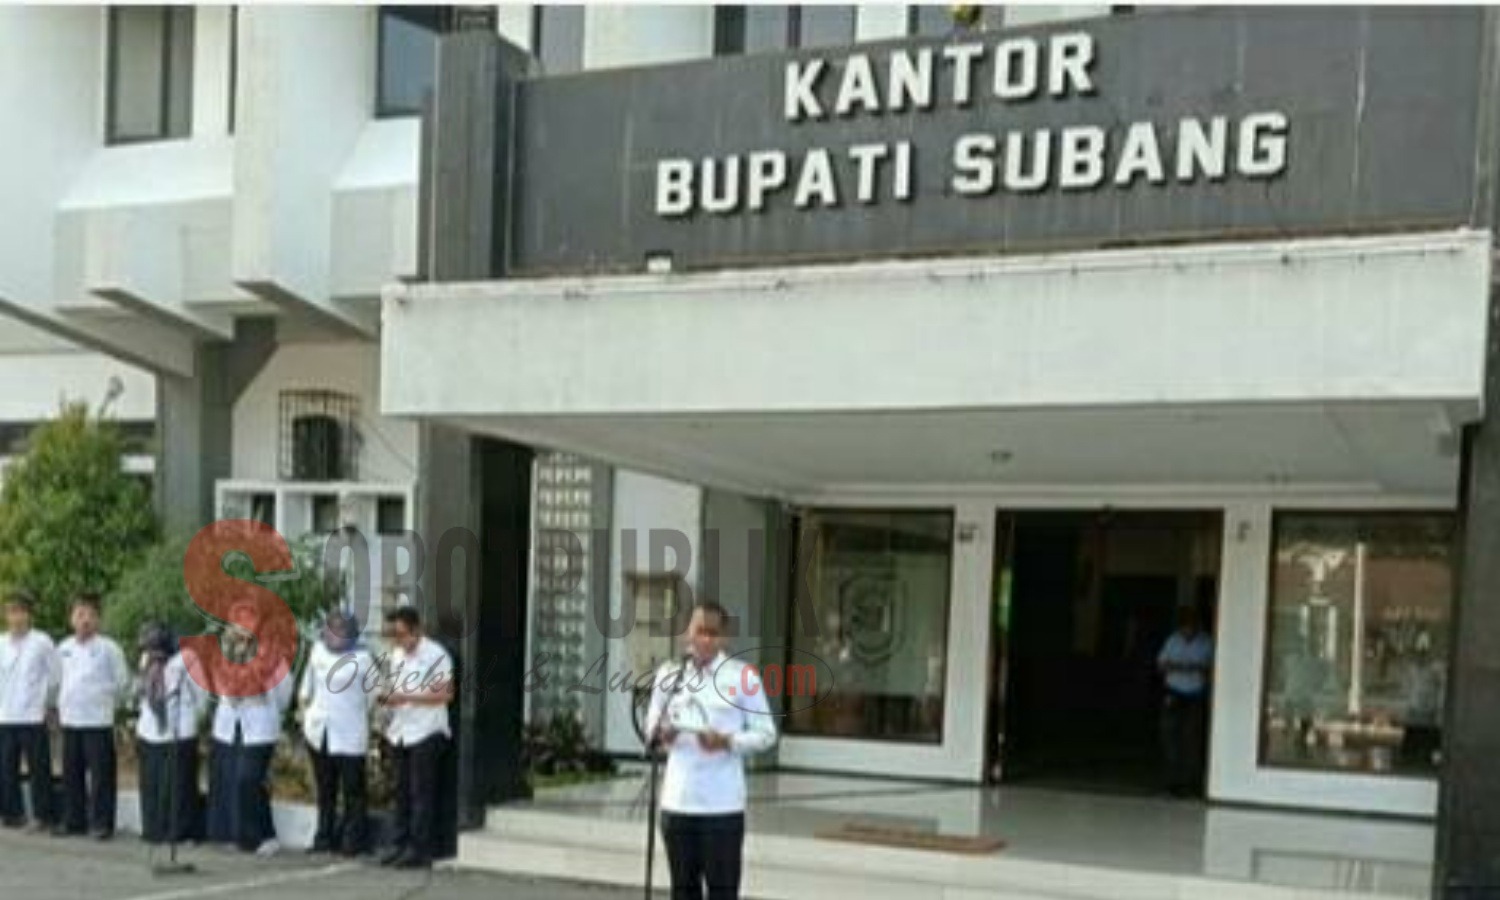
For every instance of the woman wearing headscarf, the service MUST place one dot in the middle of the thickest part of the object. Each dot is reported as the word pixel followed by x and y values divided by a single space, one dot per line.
pixel 171 704
pixel 336 696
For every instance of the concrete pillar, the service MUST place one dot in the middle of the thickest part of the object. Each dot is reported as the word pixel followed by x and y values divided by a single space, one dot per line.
pixel 1468 826
pixel 474 504
pixel 195 417
pixel 1467 859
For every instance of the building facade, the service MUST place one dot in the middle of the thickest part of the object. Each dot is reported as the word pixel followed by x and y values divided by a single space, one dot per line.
pixel 1028 336
pixel 953 355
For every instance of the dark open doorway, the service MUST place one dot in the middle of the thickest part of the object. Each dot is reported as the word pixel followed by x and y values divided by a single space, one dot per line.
pixel 1084 602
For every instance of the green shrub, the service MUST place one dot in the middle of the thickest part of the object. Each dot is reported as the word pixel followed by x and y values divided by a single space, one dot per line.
pixel 70 519
pixel 153 589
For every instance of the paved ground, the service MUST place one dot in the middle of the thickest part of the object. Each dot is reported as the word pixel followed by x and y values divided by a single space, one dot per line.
pixel 37 867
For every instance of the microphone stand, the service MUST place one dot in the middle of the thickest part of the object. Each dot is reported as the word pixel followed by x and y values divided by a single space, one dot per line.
pixel 652 752
pixel 172 866
pixel 651 809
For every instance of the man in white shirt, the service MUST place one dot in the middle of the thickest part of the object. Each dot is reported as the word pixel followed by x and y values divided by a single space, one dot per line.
pixel 94 680
pixel 172 702
pixel 335 699
pixel 710 712
pixel 1185 663
pixel 28 679
pixel 421 689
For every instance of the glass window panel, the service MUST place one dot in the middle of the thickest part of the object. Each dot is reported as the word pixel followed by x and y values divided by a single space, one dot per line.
pixel 767 28
pixel 559 38
pixel 390 515
pixel 408 58
pixel 150 73
pixel 1361 608
pixel 929 20
pixel 729 30
pixel 877 584
pixel 180 72
pixel 137 47
pixel 826 26
pixel 234 62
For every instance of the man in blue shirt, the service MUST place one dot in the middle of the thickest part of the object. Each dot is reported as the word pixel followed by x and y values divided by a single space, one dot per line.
pixel 1185 662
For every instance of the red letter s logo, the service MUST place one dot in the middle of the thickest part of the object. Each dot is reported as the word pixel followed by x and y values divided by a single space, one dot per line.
pixel 255 610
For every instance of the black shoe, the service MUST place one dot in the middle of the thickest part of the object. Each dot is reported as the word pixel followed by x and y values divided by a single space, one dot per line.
pixel 103 834
pixel 410 860
pixel 14 824
pixel 390 856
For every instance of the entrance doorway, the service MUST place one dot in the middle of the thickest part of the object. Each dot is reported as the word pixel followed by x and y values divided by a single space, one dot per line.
pixel 1084 601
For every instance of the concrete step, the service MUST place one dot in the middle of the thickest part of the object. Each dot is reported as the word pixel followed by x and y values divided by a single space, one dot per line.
pixel 786 867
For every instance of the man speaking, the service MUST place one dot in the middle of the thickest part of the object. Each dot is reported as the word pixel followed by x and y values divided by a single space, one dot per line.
pixel 710 712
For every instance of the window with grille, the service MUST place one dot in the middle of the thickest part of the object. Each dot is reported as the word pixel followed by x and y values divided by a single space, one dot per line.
pixel 319 439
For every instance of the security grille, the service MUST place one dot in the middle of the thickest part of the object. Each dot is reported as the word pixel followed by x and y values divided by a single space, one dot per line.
pixel 319 440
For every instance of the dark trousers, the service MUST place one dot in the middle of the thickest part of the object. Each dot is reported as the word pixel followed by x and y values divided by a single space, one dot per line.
pixel 239 795
pixel 89 779
pixel 704 851
pixel 417 771
pixel 1184 736
pixel 169 791
pixel 31 743
pixel 340 828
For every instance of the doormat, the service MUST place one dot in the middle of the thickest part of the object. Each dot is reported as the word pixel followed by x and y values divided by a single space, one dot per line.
pixel 912 839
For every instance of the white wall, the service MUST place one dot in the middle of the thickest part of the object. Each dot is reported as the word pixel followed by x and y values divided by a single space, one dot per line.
pixel 513 22
pixel 211 70
pixel 642 503
pixel 1020 14
pixel 646 35
pixel 882 21
pixel 37 383
pixel 49 62
pixel 389 451
pixel 375 209
pixel 50 93
pixel 1232 323
pixel 109 243
pixel 304 98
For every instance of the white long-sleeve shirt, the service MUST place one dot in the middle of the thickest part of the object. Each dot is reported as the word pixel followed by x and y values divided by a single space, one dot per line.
pixel 338 690
pixel 258 716
pixel 427 668
pixel 186 701
pixel 94 680
pixel 726 697
pixel 28 677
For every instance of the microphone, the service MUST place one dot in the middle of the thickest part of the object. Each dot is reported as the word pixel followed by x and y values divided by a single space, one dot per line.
pixel 683 662
pixel 682 672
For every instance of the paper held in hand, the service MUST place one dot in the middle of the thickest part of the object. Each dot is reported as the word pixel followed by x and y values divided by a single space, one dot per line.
pixel 687 715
